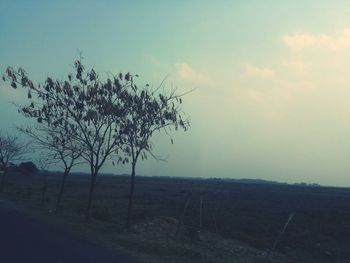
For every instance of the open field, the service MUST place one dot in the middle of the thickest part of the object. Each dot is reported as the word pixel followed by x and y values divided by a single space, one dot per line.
pixel 249 213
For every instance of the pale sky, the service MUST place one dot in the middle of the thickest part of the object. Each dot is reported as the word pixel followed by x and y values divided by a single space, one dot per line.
pixel 272 78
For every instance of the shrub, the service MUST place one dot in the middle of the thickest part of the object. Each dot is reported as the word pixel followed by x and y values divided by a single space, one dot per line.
pixel 28 168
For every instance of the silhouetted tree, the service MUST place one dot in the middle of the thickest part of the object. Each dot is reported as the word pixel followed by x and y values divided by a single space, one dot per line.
pixel 29 168
pixel 84 107
pixel 11 150
pixel 43 164
pixel 60 147
pixel 147 112
pixel 105 118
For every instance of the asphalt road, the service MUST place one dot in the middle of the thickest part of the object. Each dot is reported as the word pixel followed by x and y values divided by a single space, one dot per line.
pixel 25 240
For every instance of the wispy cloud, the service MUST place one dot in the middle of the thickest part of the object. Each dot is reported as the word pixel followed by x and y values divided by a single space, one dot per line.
pixel 255 71
pixel 187 73
pixel 296 65
pixel 300 41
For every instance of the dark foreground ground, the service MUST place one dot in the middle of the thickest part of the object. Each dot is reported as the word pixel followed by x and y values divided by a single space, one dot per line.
pixel 23 239
pixel 250 213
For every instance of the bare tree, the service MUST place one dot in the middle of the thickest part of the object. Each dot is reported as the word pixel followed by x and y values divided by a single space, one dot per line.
pixel 60 148
pixel 147 112
pixel 44 163
pixel 11 150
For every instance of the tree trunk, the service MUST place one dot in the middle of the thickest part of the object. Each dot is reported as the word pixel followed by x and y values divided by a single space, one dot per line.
pixel 3 181
pixel 44 189
pixel 91 194
pixel 131 195
pixel 60 194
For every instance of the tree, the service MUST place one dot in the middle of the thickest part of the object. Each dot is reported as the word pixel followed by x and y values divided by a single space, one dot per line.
pixel 28 168
pixel 44 163
pixel 11 150
pixel 60 147
pixel 147 112
pixel 84 107
pixel 105 118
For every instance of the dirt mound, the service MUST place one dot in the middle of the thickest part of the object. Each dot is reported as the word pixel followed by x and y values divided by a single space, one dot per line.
pixel 165 234
pixel 157 227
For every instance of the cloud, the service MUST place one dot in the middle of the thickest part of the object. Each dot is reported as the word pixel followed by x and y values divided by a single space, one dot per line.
pixel 255 71
pixel 185 72
pixel 300 41
pixel 296 65
pixel 155 61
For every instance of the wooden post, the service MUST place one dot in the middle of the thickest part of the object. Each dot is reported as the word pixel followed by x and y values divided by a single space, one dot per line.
pixel 181 221
pixel 215 224
pixel 280 235
pixel 200 213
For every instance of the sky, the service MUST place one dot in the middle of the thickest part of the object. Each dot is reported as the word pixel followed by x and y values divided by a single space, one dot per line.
pixel 271 79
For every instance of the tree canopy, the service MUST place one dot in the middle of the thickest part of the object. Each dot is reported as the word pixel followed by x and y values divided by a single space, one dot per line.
pixel 95 119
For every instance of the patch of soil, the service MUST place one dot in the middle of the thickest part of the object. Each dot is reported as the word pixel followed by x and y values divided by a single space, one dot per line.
pixel 165 234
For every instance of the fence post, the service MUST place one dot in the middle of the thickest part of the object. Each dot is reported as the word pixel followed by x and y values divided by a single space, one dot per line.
pixel 279 236
pixel 181 221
